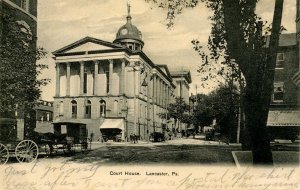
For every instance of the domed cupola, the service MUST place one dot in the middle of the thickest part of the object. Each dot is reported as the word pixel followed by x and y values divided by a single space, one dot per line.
pixel 129 35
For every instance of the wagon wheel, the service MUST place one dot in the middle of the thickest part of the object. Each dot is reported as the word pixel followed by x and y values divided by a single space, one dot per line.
pixel 47 149
pixel 68 148
pixel 26 151
pixel 83 146
pixel 4 154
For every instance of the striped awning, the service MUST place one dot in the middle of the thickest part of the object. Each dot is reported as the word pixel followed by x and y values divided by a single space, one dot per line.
pixel 296 78
pixel 284 118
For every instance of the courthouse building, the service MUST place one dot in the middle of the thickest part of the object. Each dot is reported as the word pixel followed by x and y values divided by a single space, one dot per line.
pixel 113 86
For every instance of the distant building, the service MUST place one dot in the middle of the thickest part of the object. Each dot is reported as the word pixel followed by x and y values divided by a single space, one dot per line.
pixel 112 87
pixel 182 80
pixel 44 118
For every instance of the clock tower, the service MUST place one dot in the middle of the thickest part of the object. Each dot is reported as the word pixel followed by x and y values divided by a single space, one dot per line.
pixel 129 35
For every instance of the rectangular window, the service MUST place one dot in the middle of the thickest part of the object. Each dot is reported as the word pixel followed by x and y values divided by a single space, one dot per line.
pixel 278 93
pixel 280 60
pixel 88 111
pixel 25 5
pixel 63 129
pixel 74 111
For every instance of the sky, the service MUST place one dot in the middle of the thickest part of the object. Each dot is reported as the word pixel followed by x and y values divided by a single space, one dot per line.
pixel 63 22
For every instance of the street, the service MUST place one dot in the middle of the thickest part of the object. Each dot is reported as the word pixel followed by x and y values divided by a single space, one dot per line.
pixel 177 151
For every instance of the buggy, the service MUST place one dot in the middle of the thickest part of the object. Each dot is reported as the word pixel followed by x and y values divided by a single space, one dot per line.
pixel 69 137
pixel 24 151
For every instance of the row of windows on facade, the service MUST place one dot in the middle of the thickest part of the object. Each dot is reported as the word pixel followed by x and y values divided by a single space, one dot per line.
pixel 39 116
pixel 44 117
pixel 88 110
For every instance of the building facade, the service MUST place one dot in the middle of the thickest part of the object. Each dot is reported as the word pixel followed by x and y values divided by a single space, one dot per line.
pixel 43 111
pixel 112 85
pixel 182 80
pixel 284 114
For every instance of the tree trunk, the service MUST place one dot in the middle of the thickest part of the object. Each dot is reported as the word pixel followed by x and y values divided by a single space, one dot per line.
pixel 256 127
pixel 258 72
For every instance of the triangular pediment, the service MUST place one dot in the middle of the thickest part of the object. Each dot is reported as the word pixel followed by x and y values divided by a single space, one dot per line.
pixel 87 44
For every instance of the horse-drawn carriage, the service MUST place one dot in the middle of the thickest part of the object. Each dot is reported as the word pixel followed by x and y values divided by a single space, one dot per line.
pixel 24 151
pixel 66 138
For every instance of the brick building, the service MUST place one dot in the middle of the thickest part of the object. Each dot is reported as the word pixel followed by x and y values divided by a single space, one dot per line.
pixel 284 114
pixel 24 12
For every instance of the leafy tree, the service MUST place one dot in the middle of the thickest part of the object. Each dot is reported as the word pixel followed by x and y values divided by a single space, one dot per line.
pixel 19 82
pixel 237 34
pixel 203 112
pixel 225 105
pixel 222 105
pixel 177 111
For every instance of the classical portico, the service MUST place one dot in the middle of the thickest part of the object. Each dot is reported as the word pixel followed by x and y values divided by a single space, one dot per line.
pixel 83 78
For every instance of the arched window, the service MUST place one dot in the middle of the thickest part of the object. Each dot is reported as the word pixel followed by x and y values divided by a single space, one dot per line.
pixel 74 109
pixel 102 108
pixel 116 107
pixel 88 110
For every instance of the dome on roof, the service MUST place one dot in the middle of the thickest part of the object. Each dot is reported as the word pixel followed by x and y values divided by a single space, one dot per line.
pixel 129 35
pixel 129 31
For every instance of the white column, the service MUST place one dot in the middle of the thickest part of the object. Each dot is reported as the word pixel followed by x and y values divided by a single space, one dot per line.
pixel 160 92
pixel 68 79
pixel 157 91
pixel 154 97
pixel 57 91
pixel 81 77
pixel 111 70
pixel 165 95
pixel 122 78
pixel 96 69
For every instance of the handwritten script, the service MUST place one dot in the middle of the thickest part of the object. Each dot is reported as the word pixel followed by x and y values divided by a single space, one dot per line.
pixel 68 175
